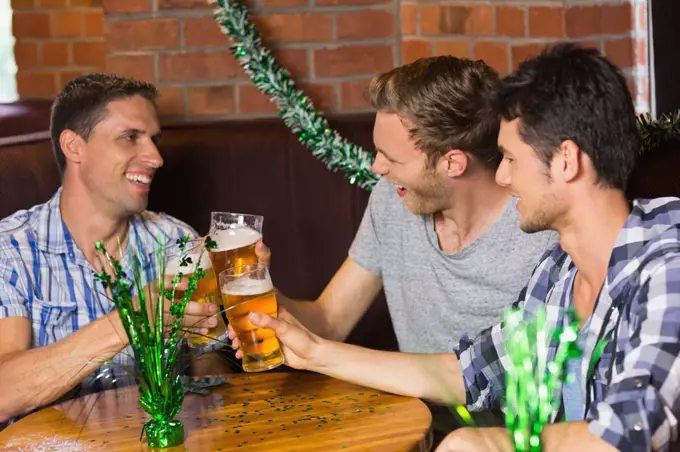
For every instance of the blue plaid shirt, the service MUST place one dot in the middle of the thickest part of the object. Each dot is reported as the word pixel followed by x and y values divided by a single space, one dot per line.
pixel 633 397
pixel 46 278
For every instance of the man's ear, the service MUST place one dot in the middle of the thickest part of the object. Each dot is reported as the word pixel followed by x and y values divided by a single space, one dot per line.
pixel 570 160
pixel 455 162
pixel 71 145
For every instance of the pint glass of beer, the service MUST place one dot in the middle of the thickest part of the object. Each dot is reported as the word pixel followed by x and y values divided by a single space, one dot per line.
pixel 247 289
pixel 206 288
pixel 236 235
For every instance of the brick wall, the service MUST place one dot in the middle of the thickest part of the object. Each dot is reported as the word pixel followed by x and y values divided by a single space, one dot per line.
pixel 332 47
pixel 56 40
pixel 503 33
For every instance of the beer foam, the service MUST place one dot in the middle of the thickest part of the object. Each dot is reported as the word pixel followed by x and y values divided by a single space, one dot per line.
pixel 247 286
pixel 236 237
pixel 173 266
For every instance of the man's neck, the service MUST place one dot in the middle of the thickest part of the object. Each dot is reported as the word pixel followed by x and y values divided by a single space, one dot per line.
pixel 88 224
pixel 589 235
pixel 475 207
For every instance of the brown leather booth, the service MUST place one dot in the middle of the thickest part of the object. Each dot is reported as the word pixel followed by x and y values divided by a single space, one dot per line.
pixel 256 166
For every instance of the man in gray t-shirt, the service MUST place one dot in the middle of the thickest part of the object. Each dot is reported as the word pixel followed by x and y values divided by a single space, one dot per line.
pixel 435 297
pixel 439 234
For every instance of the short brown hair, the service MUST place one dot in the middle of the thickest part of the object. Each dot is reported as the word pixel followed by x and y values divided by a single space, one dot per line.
pixel 81 105
pixel 446 103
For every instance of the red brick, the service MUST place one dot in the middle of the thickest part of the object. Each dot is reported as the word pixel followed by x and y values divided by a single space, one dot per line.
pixel 294 27
pixel 294 60
pixel 51 3
pixel 210 100
pixel 620 52
pixel 202 32
pixel 66 76
pixel 460 49
pixel 26 54
pixel 90 53
pixel 353 59
pixel 31 25
pixel 251 101
pixel 510 21
pixel 139 66
pixel 350 2
pixel 521 52
pixel 94 23
pixel 171 101
pixel 642 16
pixel 68 23
pixel 354 95
pixel 408 19
pixel 364 24
pixel 22 4
pixel 495 54
pixel 457 20
pixel 414 49
pixel 281 3
pixel 197 66
pixel 148 34
pixel 584 21
pixel 125 6
pixel 546 22
pixel 36 84
pixel 321 94
pixel 55 53
pixel 183 4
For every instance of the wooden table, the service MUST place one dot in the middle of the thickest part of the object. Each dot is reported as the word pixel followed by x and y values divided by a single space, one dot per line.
pixel 257 412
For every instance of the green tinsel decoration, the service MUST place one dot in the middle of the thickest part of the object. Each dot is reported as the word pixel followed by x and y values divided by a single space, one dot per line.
pixel 655 132
pixel 156 352
pixel 294 107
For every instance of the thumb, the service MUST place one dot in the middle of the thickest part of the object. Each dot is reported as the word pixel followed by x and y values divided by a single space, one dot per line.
pixel 265 321
pixel 264 255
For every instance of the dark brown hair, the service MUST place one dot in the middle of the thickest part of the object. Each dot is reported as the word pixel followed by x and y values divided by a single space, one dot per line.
pixel 81 105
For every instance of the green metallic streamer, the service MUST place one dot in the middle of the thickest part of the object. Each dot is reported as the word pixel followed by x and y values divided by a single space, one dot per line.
pixel 157 352
pixel 294 107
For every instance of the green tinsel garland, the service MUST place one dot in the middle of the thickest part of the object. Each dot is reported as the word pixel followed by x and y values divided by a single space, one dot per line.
pixel 294 107
pixel 312 129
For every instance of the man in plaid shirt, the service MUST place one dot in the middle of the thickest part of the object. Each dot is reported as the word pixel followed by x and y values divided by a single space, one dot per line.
pixel 569 142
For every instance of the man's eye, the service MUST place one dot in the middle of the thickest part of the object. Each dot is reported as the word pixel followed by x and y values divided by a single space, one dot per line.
pixel 131 138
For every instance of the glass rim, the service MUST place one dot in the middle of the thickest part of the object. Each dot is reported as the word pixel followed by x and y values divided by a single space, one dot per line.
pixel 237 214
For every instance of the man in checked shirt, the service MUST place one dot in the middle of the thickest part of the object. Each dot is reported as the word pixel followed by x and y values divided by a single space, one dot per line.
pixel 57 326
pixel 569 142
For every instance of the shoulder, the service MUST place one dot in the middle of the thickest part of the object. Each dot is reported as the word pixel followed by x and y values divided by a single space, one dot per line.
pixel 156 223
pixel 18 230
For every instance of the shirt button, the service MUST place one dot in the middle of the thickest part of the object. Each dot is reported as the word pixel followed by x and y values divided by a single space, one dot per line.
pixel 637 426
pixel 638 383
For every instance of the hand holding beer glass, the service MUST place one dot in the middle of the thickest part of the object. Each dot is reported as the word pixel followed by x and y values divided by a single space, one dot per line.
pixel 206 288
pixel 245 289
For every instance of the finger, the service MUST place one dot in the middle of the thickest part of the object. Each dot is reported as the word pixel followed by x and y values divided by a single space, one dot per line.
pixel 231 332
pixel 263 253
pixel 236 344
pixel 280 326
pixel 200 309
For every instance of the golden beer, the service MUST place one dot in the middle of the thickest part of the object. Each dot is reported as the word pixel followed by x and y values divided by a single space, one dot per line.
pixel 249 289
pixel 235 247
pixel 206 288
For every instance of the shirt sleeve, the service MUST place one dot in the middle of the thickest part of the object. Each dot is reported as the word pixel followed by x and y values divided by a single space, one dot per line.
pixel 637 411
pixel 365 249
pixel 12 299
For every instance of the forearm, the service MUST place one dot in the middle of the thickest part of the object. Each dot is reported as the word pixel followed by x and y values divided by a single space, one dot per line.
pixel 435 377
pixel 310 313
pixel 35 377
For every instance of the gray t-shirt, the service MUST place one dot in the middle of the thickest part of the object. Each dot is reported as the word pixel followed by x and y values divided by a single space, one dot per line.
pixel 435 298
